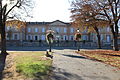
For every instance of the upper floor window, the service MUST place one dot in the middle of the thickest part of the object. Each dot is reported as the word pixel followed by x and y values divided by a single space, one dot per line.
pixel 43 29
pixel 36 29
pixel 29 29
pixel 71 30
pixel 57 29
pixel 8 27
pixel 65 30
pixel 108 29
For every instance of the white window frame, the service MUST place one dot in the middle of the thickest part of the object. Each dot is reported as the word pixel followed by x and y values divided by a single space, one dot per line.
pixel 36 29
pixel 65 37
pixel 42 37
pixel 71 36
pixel 57 29
pixel 71 30
pixel 28 37
pixel 17 38
pixel 43 29
pixel 65 30
pixel 29 29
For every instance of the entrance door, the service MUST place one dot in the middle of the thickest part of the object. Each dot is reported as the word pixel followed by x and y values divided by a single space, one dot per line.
pixel 36 37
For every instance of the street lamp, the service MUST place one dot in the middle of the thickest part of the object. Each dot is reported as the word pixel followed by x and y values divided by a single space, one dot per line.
pixel 78 31
pixel 49 38
pixel 57 36
pixel 78 38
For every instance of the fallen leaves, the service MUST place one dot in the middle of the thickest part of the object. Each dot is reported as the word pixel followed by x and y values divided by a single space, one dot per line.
pixel 106 56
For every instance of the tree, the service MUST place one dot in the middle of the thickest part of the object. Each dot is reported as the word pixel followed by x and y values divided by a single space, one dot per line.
pixel 84 16
pixel 110 10
pixel 12 25
pixel 9 9
pixel 107 10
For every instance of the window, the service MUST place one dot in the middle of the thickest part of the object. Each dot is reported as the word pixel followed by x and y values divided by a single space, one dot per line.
pixel 65 30
pixel 15 37
pixel 65 37
pixel 71 37
pixel 57 29
pixel 8 27
pixel 36 37
pixel 43 37
pixel 29 29
pixel 108 29
pixel 29 37
pixel 36 29
pixel 108 37
pixel 84 37
pixel 71 30
pixel 43 29
pixel 102 37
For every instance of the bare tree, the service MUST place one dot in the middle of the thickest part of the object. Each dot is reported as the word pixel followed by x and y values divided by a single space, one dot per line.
pixel 11 9
pixel 110 10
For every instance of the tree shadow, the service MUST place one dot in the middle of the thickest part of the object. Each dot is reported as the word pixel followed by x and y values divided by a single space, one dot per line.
pixel 2 64
pixel 75 56
pixel 112 55
pixel 61 74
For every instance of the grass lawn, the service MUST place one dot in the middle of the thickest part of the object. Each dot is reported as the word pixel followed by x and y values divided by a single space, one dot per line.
pixel 106 56
pixel 32 64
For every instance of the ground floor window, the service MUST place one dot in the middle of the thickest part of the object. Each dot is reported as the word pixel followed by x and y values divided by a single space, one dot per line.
pixel 108 38
pixel 36 37
pixel 84 37
pixel 15 37
pixel 29 37
pixel 71 37
pixel 65 37
pixel 42 37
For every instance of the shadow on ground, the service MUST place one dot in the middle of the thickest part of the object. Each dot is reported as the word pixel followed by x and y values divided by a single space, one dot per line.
pixel 75 56
pixel 2 64
pixel 60 74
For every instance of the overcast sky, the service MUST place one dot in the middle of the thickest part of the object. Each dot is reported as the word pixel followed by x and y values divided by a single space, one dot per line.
pixel 51 10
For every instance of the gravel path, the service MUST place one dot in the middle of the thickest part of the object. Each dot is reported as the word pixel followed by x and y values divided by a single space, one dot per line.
pixel 67 65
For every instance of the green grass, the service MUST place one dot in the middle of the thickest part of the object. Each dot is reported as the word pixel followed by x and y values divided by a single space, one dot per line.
pixel 33 64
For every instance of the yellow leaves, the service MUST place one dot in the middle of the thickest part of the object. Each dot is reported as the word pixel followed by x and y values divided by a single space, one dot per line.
pixel 106 56
pixel 16 23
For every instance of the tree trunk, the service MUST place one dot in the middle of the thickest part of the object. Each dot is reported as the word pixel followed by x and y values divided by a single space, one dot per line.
pixel 115 38
pixel 3 39
pixel 115 43
pixel 99 43
pixel 50 47
pixel 3 33
pixel 98 36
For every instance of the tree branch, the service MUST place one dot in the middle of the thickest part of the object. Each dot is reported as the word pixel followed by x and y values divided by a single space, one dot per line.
pixel 12 7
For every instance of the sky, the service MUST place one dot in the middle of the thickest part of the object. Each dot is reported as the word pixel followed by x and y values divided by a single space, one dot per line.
pixel 51 10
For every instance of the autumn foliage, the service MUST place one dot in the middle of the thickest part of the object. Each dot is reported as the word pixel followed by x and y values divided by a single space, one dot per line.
pixel 106 56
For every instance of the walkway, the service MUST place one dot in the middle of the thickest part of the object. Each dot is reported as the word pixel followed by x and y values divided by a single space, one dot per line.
pixel 67 65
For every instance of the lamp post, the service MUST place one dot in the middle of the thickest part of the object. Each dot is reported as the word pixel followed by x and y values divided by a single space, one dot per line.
pixel 57 36
pixel 49 38
pixel 77 38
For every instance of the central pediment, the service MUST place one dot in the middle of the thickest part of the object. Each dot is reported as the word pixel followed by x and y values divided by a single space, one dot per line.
pixel 57 22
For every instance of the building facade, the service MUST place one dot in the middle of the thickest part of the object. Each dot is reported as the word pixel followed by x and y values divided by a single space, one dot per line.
pixel 36 31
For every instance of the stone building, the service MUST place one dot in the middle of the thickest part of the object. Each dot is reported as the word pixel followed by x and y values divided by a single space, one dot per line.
pixel 36 31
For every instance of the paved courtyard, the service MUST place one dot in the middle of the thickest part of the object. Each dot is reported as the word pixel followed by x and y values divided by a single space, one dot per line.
pixel 67 65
